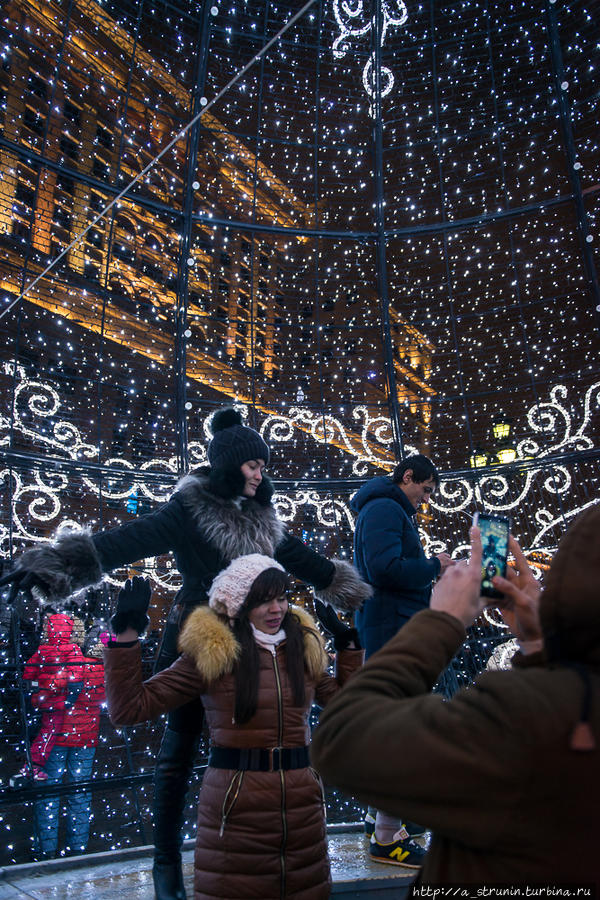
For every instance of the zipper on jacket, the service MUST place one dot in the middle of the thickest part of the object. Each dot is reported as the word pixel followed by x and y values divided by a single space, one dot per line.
pixel 283 833
pixel 279 702
pixel 319 781
pixel 235 784
pixel 281 777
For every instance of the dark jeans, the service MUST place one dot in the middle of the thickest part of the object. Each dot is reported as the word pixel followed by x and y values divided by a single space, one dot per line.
pixel 77 762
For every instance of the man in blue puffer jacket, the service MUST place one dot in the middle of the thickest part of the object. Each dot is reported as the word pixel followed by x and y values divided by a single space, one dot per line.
pixel 389 556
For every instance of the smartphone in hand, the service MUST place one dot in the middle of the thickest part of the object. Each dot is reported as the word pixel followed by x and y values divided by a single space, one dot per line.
pixel 494 540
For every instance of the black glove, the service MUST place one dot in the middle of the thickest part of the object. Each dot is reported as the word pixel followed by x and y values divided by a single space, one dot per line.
pixel 132 605
pixel 333 626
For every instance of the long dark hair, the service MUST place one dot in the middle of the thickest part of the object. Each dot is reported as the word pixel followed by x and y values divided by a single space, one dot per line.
pixel 269 584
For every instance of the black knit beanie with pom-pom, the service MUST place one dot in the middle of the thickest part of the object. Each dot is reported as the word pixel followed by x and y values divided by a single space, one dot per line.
pixel 233 443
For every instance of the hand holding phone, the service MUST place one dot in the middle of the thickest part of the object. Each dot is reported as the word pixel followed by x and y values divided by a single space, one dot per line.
pixel 495 531
pixel 458 592
pixel 519 607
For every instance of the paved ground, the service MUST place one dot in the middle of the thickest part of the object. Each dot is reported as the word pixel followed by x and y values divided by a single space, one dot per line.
pixel 105 877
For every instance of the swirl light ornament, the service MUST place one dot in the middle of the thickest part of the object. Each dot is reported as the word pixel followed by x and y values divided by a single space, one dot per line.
pixel 375 434
pixel 331 513
pixel 497 493
pixel 37 496
pixel 356 20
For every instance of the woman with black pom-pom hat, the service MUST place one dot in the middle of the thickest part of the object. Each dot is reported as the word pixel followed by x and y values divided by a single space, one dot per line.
pixel 218 512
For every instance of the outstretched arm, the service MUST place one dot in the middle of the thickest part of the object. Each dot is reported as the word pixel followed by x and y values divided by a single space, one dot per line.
pixel 74 560
pixel 132 700
pixel 335 581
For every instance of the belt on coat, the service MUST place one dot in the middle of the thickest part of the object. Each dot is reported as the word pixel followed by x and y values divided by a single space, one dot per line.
pixel 259 759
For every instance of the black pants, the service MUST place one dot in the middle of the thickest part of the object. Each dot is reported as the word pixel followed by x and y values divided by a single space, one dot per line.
pixel 175 760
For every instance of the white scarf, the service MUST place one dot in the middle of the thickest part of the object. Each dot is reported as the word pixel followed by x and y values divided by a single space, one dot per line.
pixel 268 641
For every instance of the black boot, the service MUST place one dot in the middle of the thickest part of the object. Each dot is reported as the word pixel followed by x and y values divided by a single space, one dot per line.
pixel 171 776
pixel 168 881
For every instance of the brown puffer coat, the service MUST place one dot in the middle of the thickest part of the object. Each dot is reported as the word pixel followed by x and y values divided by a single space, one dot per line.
pixel 260 834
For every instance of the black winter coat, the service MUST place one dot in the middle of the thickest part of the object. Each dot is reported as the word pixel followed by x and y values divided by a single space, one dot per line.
pixel 205 533
pixel 389 556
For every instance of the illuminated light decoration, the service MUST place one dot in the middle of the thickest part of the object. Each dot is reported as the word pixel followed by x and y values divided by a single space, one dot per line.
pixel 355 21
pixel 502 655
pixel 496 494
pixel 327 429
pixel 330 513
pixel 478 459
pixel 67 438
pixel 44 403
pixel 323 429
pixel 506 455
pixel 544 518
pixel 492 616
pixel 492 491
pixel 44 507
pixel 41 400
pixel 546 418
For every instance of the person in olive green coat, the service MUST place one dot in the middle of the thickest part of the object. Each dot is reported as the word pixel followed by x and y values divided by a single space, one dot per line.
pixel 507 772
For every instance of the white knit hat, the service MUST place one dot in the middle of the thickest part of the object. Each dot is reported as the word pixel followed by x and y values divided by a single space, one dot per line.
pixel 231 586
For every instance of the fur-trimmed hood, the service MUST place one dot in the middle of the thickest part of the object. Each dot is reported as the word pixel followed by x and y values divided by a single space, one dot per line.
pixel 210 642
pixel 257 530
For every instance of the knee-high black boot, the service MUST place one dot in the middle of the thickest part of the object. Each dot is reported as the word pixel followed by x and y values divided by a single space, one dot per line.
pixel 174 765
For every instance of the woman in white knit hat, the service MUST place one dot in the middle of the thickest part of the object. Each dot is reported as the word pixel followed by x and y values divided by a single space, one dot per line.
pixel 216 514
pixel 258 665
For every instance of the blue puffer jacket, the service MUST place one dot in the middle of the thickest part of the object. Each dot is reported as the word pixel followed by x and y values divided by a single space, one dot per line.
pixel 388 554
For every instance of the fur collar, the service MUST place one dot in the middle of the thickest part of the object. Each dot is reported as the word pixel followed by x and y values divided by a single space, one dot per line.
pixel 233 531
pixel 209 641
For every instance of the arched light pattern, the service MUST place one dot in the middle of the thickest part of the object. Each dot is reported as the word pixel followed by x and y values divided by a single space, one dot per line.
pixel 497 492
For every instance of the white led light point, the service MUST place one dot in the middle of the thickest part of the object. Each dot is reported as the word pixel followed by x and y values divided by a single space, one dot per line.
pixel 369 443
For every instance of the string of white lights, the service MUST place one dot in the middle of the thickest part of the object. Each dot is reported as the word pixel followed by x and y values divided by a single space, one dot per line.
pixel 38 416
pixel 328 429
